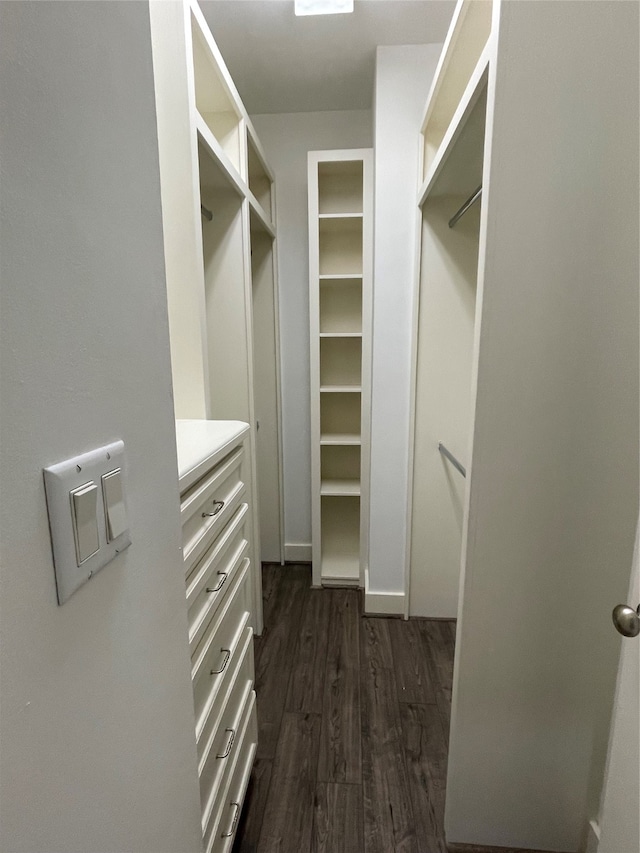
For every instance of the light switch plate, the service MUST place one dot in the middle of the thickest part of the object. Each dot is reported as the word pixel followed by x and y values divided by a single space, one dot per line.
pixel 60 481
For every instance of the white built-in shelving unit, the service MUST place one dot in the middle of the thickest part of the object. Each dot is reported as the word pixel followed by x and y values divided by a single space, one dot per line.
pixel 220 254
pixel 218 205
pixel 452 139
pixel 340 258
pixel 526 361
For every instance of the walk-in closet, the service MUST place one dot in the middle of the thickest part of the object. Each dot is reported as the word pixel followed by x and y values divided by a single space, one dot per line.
pixel 320 415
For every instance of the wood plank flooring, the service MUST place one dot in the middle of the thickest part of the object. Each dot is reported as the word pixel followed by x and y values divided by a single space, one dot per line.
pixel 353 719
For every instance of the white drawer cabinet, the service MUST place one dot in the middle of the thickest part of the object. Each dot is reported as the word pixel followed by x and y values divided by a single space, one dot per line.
pixel 206 507
pixel 223 818
pixel 213 656
pixel 218 551
pixel 208 584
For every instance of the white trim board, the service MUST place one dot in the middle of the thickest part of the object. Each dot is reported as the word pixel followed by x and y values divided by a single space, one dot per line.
pixel 382 603
pixel 297 552
pixel 593 837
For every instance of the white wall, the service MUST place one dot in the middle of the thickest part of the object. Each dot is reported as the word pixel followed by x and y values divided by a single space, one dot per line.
pixel 286 139
pixel 96 724
pixel 403 78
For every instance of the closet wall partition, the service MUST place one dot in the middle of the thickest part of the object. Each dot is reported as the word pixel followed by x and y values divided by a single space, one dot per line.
pixel 527 358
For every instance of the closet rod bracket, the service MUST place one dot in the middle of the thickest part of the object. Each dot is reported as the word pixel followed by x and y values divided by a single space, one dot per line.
pixel 455 462
pixel 468 203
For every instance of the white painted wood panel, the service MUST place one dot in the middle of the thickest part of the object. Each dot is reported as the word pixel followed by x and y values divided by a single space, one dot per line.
pixel 175 108
pixel 620 815
pixel 553 493
pixel 266 395
pixel 443 404
pixel 406 69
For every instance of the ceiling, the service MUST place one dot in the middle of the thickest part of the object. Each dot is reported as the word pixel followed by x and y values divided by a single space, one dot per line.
pixel 286 64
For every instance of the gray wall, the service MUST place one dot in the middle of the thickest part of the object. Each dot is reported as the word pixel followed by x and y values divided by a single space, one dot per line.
pixel 96 725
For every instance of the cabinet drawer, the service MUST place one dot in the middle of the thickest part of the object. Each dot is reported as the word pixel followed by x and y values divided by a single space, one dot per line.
pixel 223 691
pixel 221 821
pixel 219 750
pixel 214 574
pixel 207 506
pixel 214 653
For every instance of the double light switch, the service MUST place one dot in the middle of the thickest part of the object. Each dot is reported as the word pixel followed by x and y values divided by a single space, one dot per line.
pixel 84 511
pixel 86 501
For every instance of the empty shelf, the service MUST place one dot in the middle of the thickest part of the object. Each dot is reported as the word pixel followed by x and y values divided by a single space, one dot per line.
pixel 338 276
pixel 340 438
pixel 340 389
pixel 340 487
pixel 340 570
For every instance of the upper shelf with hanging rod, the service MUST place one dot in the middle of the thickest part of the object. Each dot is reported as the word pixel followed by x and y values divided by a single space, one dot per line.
pixel 465 207
pixel 464 52
pixel 457 166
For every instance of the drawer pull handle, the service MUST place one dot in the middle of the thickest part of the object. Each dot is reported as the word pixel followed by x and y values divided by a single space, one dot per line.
pixel 227 655
pixel 232 736
pixel 232 829
pixel 217 507
pixel 220 584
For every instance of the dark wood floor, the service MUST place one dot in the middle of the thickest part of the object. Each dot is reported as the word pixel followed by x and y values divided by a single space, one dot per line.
pixel 353 717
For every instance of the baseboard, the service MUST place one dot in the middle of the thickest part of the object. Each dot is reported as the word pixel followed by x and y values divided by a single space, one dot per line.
pixel 478 848
pixel 593 837
pixel 297 552
pixel 382 603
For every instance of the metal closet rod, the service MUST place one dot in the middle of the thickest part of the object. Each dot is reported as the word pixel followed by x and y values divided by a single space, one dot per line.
pixel 206 212
pixel 449 455
pixel 471 200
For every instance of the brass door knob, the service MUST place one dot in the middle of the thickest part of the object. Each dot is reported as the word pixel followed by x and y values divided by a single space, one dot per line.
pixel 626 620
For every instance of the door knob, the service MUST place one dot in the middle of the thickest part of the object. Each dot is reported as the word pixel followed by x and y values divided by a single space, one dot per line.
pixel 626 620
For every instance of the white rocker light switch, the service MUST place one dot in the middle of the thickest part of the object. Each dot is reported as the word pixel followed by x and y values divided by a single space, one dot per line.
pixel 85 521
pixel 114 508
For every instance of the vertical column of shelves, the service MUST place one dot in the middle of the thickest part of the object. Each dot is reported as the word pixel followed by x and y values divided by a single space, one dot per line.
pixel 259 177
pixel 220 115
pixel 462 64
pixel 218 204
pixel 340 287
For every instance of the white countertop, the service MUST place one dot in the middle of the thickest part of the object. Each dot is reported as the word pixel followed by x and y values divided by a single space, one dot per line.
pixel 201 444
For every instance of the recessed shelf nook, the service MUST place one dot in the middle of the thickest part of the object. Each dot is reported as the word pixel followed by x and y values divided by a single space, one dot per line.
pixel 340 235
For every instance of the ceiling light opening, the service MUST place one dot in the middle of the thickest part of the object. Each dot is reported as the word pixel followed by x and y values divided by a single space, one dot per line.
pixel 323 7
